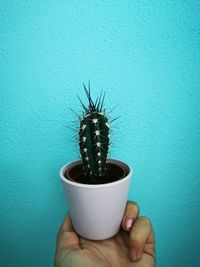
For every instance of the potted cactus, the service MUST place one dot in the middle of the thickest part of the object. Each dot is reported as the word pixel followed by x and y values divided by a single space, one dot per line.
pixel 96 187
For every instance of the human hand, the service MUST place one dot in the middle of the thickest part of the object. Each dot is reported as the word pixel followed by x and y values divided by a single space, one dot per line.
pixel 132 246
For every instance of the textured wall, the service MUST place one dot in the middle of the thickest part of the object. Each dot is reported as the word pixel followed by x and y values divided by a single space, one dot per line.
pixel 146 55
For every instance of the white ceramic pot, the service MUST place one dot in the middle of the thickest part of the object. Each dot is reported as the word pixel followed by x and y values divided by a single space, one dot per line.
pixel 96 210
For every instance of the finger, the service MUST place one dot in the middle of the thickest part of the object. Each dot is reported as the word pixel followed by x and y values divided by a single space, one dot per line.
pixel 141 239
pixel 130 215
pixel 67 224
pixel 67 237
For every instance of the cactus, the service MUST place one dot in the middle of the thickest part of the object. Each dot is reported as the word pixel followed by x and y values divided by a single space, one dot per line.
pixel 94 139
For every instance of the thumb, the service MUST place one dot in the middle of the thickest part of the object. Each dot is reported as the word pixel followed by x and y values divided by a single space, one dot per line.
pixel 67 237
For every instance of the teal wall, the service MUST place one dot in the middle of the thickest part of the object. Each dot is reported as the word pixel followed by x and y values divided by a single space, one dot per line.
pixel 145 54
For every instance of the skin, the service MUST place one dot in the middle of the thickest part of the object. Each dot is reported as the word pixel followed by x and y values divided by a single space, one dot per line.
pixel 133 246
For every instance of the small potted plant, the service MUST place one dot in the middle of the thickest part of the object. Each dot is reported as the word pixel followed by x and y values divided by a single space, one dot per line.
pixel 96 187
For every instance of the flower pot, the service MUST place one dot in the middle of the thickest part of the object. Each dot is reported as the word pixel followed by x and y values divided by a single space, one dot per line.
pixel 96 210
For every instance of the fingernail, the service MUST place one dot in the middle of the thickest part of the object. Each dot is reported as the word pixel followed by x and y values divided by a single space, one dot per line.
pixel 128 223
pixel 133 254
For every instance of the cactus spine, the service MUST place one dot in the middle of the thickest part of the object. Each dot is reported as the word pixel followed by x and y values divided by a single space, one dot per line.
pixel 94 138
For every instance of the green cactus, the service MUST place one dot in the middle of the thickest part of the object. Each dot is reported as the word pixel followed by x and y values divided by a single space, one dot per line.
pixel 94 138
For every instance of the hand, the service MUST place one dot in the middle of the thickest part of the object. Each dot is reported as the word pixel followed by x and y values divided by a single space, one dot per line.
pixel 133 246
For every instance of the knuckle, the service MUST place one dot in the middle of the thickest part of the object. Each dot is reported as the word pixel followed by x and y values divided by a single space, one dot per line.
pixel 136 241
pixel 133 206
pixel 146 220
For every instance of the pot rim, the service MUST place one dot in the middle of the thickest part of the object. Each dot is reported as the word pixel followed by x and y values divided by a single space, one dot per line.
pixel 110 160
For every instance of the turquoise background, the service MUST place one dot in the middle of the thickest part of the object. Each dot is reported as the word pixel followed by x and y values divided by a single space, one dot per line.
pixel 145 54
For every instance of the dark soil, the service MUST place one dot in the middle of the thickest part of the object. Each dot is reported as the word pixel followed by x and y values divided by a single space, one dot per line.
pixel 109 177
pixel 112 174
